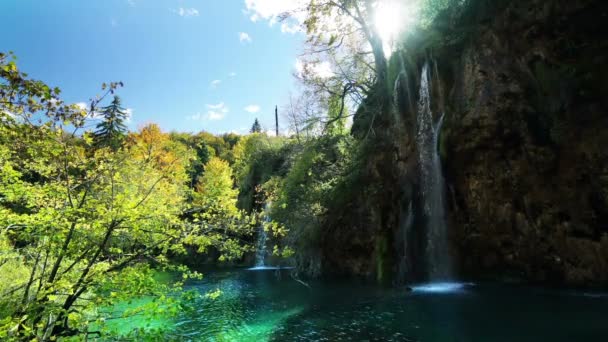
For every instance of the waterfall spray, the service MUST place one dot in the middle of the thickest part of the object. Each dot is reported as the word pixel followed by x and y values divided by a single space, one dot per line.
pixel 432 184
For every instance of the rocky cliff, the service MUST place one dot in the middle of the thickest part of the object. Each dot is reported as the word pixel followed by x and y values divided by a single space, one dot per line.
pixel 525 144
pixel 524 88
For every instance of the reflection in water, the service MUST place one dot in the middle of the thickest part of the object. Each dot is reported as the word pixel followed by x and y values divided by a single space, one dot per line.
pixel 271 306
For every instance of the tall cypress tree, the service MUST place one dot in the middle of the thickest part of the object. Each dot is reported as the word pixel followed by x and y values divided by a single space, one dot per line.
pixel 112 130
pixel 256 128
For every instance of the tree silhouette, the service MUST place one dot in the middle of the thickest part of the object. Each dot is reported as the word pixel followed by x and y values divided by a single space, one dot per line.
pixel 256 128
pixel 111 131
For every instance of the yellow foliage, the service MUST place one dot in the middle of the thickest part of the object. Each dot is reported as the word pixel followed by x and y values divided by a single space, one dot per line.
pixel 153 146
pixel 216 186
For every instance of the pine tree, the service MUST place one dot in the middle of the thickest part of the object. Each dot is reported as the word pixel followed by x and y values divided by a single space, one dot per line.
pixel 112 130
pixel 256 128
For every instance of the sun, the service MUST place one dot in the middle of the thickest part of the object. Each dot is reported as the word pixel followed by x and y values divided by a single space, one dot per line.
pixel 391 19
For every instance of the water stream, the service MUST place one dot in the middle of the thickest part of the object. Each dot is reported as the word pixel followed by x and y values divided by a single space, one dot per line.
pixel 432 184
pixel 260 254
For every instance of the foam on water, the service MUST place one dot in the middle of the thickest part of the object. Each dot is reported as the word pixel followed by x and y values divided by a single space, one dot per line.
pixel 266 268
pixel 445 287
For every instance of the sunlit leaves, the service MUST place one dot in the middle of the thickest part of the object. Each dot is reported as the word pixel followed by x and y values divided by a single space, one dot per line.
pixel 78 224
pixel 217 222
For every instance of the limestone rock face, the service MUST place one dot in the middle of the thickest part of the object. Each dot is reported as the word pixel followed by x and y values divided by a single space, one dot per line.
pixel 525 144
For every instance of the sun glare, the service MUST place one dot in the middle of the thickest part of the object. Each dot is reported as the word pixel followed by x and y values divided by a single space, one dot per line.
pixel 391 19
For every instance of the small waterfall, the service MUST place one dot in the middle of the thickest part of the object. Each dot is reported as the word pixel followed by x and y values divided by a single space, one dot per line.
pixel 260 254
pixel 402 96
pixel 432 184
pixel 404 266
pixel 407 84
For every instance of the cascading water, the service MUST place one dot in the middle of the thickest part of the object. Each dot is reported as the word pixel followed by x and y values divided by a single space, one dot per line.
pixel 432 184
pixel 406 86
pixel 404 267
pixel 260 254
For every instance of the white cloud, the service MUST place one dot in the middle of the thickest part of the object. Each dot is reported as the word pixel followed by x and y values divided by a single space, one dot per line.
pixel 86 107
pixel 215 83
pixel 216 106
pixel 321 70
pixel 186 12
pixel 272 10
pixel 252 109
pixel 244 37
pixel 214 112
pixel 217 112
pixel 82 105
pixel 129 112
pixel 97 115
pixel 291 28
pixel 214 115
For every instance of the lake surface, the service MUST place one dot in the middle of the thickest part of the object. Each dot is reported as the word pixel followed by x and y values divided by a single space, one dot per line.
pixel 269 305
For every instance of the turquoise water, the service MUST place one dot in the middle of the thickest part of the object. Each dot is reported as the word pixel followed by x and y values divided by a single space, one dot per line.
pixel 268 305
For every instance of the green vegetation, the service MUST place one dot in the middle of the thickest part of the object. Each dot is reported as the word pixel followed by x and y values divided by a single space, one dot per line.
pixel 89 218
pixel 111 130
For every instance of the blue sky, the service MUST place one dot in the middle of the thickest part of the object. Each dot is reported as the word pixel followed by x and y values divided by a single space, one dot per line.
pixel 188 65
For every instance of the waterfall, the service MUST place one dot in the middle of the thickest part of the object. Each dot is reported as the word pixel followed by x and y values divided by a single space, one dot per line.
pixel 260 254
pixel 432 184
pixel 404 266
pixel 407 84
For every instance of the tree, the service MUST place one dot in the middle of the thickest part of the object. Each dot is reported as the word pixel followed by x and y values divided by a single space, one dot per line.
pixel 80 227
pixel 336 113
pixel 304 114
pixel 216 221
pixel 345 58
pixel 198 164
pixel 257 156
pixel 216 186
pixel 337 25
pixel 112 129
pixel 317 183
pixel 153 146
pixel 77 226
pixel 256 127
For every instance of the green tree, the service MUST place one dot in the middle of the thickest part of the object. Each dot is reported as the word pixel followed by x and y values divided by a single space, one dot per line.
pixel 336 114
pixel 216 221
pixel 317 183
pixel 257 158
pixel 216 187
pixel 256 127
pixel 198 164
pixel 111 131
pixel 76 227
